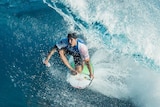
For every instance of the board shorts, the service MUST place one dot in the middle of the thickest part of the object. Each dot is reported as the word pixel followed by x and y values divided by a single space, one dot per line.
pixel 78 61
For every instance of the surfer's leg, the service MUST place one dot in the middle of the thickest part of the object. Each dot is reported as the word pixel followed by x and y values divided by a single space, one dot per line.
pixel 65 60
pixel 79 68
pixel 78 63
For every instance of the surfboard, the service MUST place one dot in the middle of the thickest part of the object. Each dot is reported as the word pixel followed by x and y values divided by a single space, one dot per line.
pixel 82 80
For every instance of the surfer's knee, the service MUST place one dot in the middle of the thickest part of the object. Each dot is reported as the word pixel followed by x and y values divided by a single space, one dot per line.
pixel 79 68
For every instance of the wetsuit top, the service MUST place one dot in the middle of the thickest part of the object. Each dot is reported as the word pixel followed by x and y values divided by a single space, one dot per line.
pixel 79 50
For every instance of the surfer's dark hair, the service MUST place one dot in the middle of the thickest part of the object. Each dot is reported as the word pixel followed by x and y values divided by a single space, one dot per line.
pixel 72 35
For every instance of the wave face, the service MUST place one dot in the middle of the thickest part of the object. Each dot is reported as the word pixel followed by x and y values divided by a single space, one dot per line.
pixel 124 39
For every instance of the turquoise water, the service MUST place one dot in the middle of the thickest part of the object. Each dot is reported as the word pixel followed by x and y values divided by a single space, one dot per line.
pixel 123 41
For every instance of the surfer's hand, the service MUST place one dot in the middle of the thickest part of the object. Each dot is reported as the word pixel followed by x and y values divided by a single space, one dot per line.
pixel 73 72
pixel 45 62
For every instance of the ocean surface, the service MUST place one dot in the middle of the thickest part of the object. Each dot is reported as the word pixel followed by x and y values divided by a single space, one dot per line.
pixel 123 38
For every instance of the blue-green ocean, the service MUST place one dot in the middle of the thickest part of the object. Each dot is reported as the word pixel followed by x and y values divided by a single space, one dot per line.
pixel 123 39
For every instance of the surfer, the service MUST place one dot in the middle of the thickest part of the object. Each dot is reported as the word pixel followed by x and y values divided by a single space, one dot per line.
pixel 74 46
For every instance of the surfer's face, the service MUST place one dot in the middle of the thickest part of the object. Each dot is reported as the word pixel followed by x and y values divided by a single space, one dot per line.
pixel 72 42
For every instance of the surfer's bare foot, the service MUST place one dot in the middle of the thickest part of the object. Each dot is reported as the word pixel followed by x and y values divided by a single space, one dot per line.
pixel 91 76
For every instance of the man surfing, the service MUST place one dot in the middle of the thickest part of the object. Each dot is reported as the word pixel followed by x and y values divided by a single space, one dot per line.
pixel 74 46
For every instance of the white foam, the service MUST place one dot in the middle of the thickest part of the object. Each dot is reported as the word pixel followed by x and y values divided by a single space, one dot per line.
pixel 117 75
pixel 144 88
pixel 138 20
pixel 123 78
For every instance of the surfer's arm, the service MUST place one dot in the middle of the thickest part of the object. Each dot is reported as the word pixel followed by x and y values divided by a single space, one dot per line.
pixel 64 59
pixel 85 55
pixel 50 54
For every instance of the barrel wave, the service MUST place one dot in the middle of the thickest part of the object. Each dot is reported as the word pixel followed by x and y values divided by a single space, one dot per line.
pixel 123 41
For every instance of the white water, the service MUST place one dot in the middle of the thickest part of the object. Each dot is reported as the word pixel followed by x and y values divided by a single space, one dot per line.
pixel 117 73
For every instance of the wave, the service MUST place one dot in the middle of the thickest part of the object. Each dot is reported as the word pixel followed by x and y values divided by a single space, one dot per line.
pixel 124 37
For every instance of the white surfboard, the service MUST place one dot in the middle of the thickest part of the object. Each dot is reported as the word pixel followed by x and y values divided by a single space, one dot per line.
pixel 81 80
